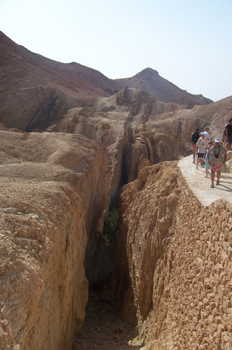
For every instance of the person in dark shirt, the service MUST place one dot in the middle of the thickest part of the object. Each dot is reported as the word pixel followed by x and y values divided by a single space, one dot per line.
pixel 194 138
pixel 224 136
pixel 229 135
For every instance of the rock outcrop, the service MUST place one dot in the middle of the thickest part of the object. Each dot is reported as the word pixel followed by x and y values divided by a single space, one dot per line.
pixel 175 263
pixel 54 190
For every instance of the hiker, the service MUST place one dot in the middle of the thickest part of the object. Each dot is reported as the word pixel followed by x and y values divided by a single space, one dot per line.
pixel 229 135
pixel 194 138
pixel 206 131
pixel 216 158
pixel 201 146
pixel 207 166
pixel 224 135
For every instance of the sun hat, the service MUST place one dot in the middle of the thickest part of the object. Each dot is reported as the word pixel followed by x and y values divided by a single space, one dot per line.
pixel 217 140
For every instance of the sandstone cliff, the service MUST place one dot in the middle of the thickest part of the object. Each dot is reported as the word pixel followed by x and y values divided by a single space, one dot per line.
pixel 54 187
pixel 176 255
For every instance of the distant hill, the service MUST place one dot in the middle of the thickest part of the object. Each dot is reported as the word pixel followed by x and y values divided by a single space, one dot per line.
pixel 161 89
pixel 37 92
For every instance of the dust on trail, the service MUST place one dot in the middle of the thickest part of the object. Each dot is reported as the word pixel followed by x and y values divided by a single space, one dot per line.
pixel 103 329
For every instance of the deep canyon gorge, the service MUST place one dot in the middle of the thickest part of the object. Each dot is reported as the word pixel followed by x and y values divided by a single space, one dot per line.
pixel 72 144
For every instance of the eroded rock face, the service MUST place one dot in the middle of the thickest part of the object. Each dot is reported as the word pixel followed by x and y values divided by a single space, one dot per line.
pixel 119 122
pixel 51 185
pixel 178 259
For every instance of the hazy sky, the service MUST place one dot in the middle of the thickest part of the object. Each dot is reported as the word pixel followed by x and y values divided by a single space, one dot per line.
pixel 189 42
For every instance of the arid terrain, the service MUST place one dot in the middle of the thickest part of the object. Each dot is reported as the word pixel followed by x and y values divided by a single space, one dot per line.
pixel 103 328
pixel 106 240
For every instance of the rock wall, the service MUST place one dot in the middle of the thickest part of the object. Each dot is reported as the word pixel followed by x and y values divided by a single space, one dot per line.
pixel 177 256
pixel 119 122
pixel 50 187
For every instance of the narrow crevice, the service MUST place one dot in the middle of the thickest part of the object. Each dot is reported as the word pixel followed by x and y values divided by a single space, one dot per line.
pixel 103 328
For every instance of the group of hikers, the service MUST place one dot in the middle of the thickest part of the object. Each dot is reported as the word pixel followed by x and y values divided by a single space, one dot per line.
pixel 209 154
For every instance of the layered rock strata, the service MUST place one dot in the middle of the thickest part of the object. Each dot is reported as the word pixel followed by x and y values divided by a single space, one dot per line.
pixel 177 255
pixel 51 185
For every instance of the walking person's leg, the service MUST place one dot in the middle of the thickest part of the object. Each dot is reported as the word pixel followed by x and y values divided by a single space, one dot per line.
pixel 194 148
pixel 228 144
pixel 198 160
pixel 218 177
pixel 219 169
pixel 212 177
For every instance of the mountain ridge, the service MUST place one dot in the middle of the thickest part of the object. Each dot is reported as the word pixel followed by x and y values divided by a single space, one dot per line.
pixel 147 73
pixel 33 87
pixel 162 89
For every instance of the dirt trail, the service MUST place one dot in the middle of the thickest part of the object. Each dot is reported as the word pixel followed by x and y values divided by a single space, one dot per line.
pixel 103 329
pixel 201 185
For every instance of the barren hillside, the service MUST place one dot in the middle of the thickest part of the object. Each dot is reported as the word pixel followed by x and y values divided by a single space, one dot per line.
pixel 36 92
pixel 150 81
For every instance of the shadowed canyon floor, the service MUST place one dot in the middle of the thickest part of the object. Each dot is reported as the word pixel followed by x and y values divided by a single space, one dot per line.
pixel 103 329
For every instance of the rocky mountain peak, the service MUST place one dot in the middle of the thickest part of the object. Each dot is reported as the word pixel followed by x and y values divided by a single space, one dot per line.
pixel 147 73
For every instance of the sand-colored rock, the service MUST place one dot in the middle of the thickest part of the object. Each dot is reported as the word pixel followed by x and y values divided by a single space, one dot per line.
pixel 51 185
pixel 178 260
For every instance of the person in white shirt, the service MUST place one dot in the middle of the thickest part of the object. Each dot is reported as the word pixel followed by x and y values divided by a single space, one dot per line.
pixel 201 147
pixel 206 132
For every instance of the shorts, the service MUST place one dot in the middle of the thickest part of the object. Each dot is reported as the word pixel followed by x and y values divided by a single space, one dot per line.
pixel 194 146
pixel 200 155
pixel 216 167
pixel 229 139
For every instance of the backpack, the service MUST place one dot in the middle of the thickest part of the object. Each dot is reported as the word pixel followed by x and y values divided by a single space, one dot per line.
pixel 195 137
